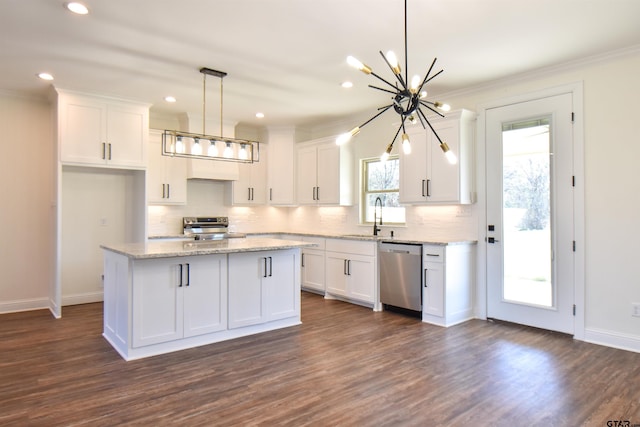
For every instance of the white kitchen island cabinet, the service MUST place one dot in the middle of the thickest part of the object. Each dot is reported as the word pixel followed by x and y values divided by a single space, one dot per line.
pixel 263 286
pixel 166 296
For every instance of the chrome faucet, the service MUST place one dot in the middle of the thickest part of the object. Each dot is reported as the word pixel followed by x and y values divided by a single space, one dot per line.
pixel 375 218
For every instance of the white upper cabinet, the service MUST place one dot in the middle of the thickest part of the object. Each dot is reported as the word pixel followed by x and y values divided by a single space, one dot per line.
pixel 166 176
pixel 426 176
pixel 280 169
pixel 251 187
pixel 100 131
pixel 324 173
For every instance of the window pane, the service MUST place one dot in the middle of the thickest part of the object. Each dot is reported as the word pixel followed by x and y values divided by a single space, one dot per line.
pixel 391 209
pixel 383 175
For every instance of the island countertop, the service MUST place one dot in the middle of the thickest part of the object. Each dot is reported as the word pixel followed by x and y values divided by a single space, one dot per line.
pixel 166 249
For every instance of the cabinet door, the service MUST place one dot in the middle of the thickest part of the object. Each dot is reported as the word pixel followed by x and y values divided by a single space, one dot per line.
pixel 281 178
pixel 82 130
pixel 205 295
pixel 283 289
pixel 247 297
pixel 127 129
pixel 336 273
pixel 313 270
pixel 328 174
pixel 444 178
pixel 362 278
pixel 157 301
pixel 241 189
pixel 306 176
pixel 166 176
pixel 433 289
pixel 413 170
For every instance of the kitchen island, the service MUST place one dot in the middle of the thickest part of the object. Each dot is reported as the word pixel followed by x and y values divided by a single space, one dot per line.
pixel 172 295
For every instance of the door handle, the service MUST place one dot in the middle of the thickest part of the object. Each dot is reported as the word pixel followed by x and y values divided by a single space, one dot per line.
pixel 270 266
pixel 425 278
pixel 423 181
pixel 348 267
pixel 428 188
pixel 109 151
pixel 265 267
pixel 104 151
pixel 270 194
pixel 164 195
pixel 318 193
pixel 188 274
pixel 168 191
pixel 302 260
pixel 180 283
pixel 344 267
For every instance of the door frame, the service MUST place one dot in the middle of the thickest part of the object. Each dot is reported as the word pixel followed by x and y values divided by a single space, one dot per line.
pixel 576 90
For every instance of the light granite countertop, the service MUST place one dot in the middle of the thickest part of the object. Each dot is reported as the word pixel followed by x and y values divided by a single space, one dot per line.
pixel 167 248
pixel 364 237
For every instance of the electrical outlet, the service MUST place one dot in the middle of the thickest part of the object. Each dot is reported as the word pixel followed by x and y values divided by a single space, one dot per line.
pixel 635 309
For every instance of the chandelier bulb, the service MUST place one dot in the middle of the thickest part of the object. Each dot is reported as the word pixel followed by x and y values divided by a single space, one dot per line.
pixel 451 157
pixel 346 137
pixel 359 65
pixel 423 94
pixel 196 149
pixel 415 84
pixel 441 106
pixel 392 59
pixel 212 151
pixel 243 152
pixel 385 156
pixel 406 144
pixel 179 145
pixel 228 151
pixel 412 119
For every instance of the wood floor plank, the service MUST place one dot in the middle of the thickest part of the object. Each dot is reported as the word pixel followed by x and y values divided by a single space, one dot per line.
pixel 345 365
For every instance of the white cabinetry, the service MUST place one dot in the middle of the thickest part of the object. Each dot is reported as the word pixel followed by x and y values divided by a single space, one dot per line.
pixel 263 287
pixel 281 176
pixel 324 173
pixel 312 270
pixel 250 188
pixel 426 176
pixel 100 131
pixel 351 270
pixel 178 297
pixel 166 176
pixel 447 294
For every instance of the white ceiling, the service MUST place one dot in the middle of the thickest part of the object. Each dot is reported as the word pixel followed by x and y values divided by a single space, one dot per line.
pixel 286 58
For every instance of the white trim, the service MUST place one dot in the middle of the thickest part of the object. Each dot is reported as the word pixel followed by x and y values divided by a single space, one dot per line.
pixel 84 298
pixel 613 339
pixel 24 305
pixel 576 89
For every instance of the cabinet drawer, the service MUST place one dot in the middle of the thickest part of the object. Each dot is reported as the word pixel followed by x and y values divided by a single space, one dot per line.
pixel 433 253
pixel 351 246
pixel 319 241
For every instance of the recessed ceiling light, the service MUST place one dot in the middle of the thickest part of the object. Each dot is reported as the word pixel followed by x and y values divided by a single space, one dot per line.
pixel 260 115
pixel 170 99
pixel 45 76
pixel 77 8
pixel 346 85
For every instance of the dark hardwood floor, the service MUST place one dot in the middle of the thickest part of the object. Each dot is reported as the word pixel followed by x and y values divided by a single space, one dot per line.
pixel 344 366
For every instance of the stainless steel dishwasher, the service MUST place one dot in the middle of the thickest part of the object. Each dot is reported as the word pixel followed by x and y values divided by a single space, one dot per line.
pixel 401 276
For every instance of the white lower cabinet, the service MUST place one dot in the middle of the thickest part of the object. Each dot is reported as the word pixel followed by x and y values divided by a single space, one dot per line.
pixel 312 268
pixel 263 287
pixel 178 297
pixel 351 270
pixel 447 293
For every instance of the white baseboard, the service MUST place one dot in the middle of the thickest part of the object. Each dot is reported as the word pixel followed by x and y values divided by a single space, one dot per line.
pixel 613 339
pixel 82 298
pixel 24 305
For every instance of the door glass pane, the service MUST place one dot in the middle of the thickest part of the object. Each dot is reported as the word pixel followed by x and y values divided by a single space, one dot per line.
pixel 527 213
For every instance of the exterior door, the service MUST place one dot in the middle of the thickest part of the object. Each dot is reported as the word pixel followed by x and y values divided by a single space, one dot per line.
pixel 530 226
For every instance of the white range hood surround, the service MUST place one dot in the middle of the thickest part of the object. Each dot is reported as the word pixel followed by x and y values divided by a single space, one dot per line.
pixel 209 169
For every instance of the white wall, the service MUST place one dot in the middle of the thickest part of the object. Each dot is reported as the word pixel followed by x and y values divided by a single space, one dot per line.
pixel 27 210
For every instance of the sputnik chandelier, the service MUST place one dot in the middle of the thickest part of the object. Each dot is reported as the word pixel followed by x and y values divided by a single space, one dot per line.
pixel 407 99
pixel 191 145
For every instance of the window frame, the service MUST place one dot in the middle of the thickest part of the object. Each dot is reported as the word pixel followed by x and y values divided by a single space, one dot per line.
pixel 364 176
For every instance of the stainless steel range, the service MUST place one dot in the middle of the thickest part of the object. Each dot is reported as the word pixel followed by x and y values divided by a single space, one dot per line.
pixel 208 227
